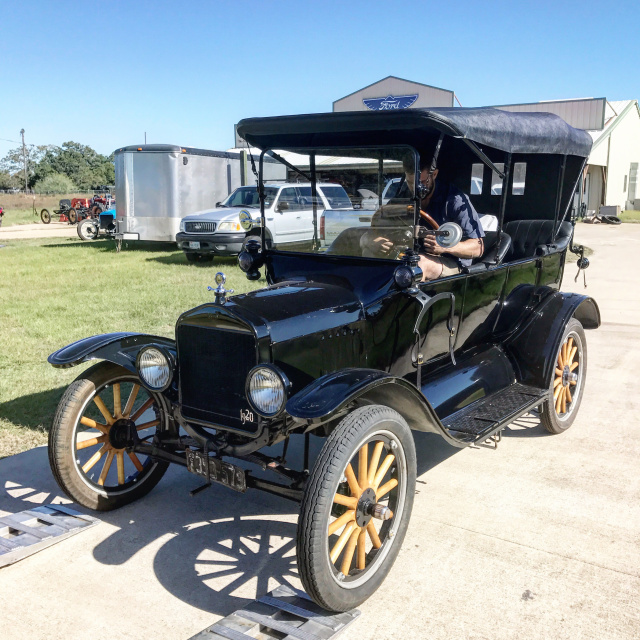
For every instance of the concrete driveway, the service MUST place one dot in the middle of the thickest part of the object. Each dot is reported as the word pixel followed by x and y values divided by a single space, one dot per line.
pixel 537 539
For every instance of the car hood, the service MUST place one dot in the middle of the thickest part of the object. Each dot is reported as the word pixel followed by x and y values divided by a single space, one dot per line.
pixel 285 310
pixel 222 214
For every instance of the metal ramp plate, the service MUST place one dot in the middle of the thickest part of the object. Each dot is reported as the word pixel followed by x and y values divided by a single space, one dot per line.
pixel 26 532
pixel 286 614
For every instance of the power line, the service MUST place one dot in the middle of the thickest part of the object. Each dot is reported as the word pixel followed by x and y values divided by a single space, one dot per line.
pixel 7 140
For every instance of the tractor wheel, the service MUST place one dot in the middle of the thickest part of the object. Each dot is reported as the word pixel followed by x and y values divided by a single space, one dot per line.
pixel 45 216
pixel 72 214
pixel 88 229
pixel 91 431
pixel 356 507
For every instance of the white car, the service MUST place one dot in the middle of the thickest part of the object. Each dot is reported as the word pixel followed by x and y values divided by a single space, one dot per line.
pixel 288 218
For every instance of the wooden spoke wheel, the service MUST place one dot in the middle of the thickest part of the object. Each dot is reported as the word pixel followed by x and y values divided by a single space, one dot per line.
pixel 356 507
pixel 72 214
pixel 567 383
pixel 45 216
pixel 98 419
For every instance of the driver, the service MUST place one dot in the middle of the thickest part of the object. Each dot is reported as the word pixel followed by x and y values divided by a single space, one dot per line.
pixel 444 203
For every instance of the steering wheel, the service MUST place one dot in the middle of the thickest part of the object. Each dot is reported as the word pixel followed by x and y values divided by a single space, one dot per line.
pixel 425 216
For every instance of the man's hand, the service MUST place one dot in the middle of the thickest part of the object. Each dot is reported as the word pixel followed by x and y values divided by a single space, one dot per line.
pixel 432 247
pixel 382 245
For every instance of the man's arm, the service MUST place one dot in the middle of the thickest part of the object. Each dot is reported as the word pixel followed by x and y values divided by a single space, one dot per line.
pixel 470 248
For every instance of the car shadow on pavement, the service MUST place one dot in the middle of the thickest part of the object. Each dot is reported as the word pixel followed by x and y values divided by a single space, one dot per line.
pixel 218 550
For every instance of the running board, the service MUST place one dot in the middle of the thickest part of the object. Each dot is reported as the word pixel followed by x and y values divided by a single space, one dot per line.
pixel 483 418
pixel 284 613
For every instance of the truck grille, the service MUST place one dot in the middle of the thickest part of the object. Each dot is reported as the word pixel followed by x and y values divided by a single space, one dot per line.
pixel 213 368
pixel 199 227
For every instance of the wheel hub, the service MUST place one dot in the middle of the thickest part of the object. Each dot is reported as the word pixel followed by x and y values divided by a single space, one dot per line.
pixel 566 376
pixel 120 433
pixel 366 503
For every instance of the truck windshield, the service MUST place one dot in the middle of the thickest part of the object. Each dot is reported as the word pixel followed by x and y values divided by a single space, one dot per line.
pixel 345 215
pixel 248 197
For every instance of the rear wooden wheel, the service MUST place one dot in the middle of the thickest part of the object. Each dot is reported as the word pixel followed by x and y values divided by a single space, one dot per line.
pixel 45 216
pixel 568 379
pixel 89 443
pixel 356 508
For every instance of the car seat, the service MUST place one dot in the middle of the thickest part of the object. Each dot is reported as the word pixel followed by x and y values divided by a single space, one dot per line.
pixel 531 238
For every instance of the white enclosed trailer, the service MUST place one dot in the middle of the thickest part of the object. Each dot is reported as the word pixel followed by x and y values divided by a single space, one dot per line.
pixel 159 184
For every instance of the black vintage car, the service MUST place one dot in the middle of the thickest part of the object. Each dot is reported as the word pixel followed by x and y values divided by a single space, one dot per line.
pixel 352 346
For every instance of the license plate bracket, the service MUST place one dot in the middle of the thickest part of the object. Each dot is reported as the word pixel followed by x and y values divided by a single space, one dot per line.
pixel 219 471
pixel 194 244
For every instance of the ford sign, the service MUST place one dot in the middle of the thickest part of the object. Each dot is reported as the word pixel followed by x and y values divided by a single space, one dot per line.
pixel 390 102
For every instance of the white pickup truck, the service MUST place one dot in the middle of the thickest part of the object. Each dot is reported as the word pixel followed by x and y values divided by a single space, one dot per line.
pixel 288 217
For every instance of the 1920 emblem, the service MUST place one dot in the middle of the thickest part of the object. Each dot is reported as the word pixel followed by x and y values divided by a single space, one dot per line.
pixel 246 416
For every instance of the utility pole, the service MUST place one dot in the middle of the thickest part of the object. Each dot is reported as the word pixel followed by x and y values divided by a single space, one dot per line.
pixel 24 161
pixel 145 137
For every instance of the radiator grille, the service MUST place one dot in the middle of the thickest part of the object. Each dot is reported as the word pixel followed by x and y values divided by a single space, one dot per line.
pixel 199 227
pixel 213 368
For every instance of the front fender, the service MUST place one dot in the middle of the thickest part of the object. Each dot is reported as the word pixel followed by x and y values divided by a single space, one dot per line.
pixel 327 396
pixel 121 348
pixel 533 349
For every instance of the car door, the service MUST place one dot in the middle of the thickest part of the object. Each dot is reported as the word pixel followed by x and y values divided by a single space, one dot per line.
pixel 285 214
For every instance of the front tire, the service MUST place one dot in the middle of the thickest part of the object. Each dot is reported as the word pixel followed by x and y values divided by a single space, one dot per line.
pixel 343 551
pixel 88 229
pixel 45 216
pixel 89 435
pixel 567 382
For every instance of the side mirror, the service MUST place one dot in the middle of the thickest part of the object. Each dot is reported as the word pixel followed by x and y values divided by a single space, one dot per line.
pixel 282 206
pixel 218 204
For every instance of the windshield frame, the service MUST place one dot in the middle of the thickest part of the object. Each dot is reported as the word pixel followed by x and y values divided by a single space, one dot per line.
pixel 312 169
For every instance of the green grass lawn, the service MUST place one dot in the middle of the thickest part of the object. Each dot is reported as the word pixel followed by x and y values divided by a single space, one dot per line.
pixel 21 216
pixel 630 216
pixel 56 291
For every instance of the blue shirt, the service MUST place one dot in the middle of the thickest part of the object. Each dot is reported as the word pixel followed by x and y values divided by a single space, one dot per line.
pixel 449 204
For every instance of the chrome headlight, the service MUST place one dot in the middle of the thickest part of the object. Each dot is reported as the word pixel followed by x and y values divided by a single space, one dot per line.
pixel 246 221
pixel 267 389
pixel 155 368
pixel 229 226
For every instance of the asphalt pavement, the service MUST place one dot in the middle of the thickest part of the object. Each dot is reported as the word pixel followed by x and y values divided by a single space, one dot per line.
pixel 537 539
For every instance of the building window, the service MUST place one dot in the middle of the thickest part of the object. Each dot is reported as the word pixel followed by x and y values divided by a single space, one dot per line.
pixel 633 181
pixel 477 171
pixel 624 187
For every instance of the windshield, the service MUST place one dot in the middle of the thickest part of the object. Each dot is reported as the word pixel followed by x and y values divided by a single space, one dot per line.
pixel 248 197
pixel 362 205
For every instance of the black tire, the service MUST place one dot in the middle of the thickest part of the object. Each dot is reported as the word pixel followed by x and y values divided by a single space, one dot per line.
pixel 72 214
pixel 65 457
pixel 199 257
pixel 88 229
pixel 329 586
pixel 566 377
pixel 45 216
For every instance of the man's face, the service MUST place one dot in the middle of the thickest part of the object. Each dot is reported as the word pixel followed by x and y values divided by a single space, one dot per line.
pixel 427 179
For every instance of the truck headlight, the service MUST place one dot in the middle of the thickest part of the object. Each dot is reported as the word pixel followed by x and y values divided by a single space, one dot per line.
pixel 267 389
pixel 229 226
pixel 154 368
pixel 182 225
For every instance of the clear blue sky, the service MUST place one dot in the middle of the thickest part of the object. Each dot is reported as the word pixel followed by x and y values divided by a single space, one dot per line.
pixel 102 73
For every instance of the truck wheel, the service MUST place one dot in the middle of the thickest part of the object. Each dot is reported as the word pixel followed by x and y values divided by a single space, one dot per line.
pixel 567 382
pixel 90 433
pixel 45 216
pixel 356 507
pixel 88 229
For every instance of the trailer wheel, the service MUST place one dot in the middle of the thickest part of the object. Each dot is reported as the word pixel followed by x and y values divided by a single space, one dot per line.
pixel 88 229
pixel 567 382
pixel 72 214
pixel 356 507
pixel 90 433
pixel 45 216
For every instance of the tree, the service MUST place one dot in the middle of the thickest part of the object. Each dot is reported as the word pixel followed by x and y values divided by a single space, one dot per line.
pixel 55 183
pixel 13 162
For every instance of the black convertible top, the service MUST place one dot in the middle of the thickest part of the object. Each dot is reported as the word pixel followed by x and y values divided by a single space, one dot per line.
pixel 503 130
